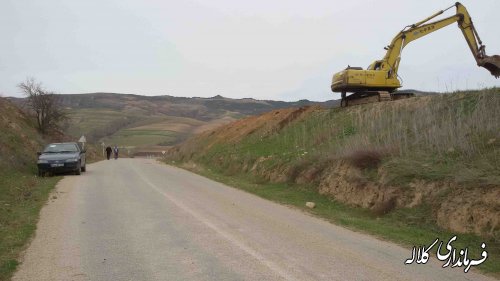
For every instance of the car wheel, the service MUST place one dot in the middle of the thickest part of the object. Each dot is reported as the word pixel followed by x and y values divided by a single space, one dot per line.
pixel 84 168
pixel 40 173
pixel 78 170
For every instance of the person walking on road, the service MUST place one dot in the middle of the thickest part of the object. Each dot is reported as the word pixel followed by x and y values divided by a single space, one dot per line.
pixel 108 152
pixel 115 151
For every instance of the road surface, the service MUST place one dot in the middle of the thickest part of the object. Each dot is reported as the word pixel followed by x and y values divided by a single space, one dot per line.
pixel 136 219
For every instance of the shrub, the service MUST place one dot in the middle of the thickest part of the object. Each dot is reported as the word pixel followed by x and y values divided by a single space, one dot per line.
pixel 365 159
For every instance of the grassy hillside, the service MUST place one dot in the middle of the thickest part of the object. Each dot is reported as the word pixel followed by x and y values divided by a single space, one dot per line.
pixel 160 131
pixel 425 167
pixel 456 136
pixel 22 194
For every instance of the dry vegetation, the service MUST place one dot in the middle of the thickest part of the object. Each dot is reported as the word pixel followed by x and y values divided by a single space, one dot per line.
pixel 461 122
pixel 462 128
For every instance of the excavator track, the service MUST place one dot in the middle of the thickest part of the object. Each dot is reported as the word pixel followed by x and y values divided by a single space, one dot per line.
pixel 372 97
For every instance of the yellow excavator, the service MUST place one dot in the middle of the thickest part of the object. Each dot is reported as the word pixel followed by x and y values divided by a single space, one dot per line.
pixel 379 81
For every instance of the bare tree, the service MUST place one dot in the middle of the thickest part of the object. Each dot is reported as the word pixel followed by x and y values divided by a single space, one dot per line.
pixel 44 104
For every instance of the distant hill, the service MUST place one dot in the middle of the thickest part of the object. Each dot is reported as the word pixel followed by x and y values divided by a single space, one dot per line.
pixel 150 121
pixel 196 107
pixel 417 92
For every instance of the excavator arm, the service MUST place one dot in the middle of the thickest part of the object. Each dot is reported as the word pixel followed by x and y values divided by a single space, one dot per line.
pixel 390 63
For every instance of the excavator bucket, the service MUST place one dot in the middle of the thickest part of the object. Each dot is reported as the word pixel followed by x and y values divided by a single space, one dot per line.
pixel 492 63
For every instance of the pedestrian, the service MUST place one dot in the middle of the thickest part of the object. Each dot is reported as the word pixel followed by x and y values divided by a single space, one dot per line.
pixel 108 152
pixel 115 151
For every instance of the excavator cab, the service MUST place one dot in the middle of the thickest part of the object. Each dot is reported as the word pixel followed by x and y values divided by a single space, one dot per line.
pixel 376 65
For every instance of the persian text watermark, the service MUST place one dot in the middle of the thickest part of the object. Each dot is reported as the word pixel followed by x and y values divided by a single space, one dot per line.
pixel 453 257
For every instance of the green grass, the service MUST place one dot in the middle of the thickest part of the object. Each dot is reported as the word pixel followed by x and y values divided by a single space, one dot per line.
pixel 130 127
pixel 131 137
pixel 85 120
pixel 408 227
pixel 22 195
pixel 90 119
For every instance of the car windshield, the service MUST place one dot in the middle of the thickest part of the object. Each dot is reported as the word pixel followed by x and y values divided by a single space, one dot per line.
pixel 60 147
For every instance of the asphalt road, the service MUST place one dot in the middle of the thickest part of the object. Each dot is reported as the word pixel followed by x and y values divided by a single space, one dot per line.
pixel 135 219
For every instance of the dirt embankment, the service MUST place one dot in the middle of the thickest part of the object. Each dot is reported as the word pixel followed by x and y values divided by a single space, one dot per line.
pixel 462 209
pixel 454 206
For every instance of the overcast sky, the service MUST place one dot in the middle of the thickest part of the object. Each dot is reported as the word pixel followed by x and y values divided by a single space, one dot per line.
pixel 264 49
